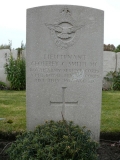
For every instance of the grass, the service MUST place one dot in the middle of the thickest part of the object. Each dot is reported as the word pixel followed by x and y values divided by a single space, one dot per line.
pixel 13 109
pixel 110 117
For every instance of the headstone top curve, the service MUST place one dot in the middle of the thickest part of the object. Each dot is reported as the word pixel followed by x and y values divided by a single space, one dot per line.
pixel 64 5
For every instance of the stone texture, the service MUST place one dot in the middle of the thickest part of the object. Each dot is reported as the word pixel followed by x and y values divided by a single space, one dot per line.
pixel 3 55
pixel 118 61
pixel 109 62
pixel 24 54
pixel 64 65
pixel 14 53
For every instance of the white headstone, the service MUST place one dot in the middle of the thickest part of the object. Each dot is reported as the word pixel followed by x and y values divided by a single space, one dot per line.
pixel 118 61
pixel 64 65
pixel 24 53
pixel 109 62
pixel 4 53
pixel 14 53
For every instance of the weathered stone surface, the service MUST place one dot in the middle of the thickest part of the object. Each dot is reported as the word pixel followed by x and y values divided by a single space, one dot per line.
pixel 109 62
pixel 64 65
pixel 24 54
pixel 3 55
pixel 14 53
pixel 118 61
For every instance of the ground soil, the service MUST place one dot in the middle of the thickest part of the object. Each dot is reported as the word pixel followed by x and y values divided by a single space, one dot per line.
pixel 108 150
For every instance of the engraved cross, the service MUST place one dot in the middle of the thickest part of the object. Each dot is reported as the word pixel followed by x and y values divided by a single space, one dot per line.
pixel 63 103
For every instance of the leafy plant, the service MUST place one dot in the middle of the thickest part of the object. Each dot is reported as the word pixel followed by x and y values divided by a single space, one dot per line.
pixel 15 70
pixel 60 140
pixel 2 85
pixel 117 49
pixel 114 78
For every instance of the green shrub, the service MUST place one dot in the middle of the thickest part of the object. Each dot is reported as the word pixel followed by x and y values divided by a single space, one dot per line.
pixel 117 49
pixel 2 85
pixel 54 141
pixel 114 78
pixel 16 74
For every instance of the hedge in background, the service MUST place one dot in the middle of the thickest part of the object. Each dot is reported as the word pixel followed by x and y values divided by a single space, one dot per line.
pixel 3 86
pixel 114 78
pixel 16 73
pixel 54 141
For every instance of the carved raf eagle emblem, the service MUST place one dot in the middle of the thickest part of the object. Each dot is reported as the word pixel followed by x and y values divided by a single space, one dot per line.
pixel 63 31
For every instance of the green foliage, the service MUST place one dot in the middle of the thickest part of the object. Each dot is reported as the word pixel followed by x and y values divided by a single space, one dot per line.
pixel 117 49
pixel 16 73
pixel 9 121
pixel 2 85
pixel 114 78
pixel 54 141
pixel 6 46
pixel 111 47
